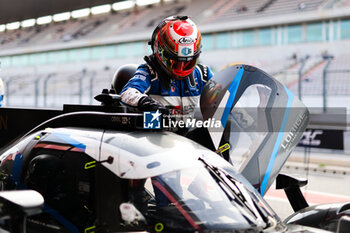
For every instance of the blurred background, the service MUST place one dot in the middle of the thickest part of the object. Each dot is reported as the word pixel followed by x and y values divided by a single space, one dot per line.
pixel 55 52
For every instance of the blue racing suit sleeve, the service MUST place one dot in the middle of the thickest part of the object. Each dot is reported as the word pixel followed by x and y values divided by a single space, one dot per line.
pixel 137 87
pixel 140 81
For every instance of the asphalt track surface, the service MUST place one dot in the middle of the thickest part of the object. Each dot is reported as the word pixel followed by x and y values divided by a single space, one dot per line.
pixel 328 177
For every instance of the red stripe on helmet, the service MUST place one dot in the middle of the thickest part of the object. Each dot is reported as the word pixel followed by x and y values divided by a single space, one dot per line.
pixel 171 39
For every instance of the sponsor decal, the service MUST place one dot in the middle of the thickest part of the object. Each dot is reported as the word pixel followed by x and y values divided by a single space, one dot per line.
pixel 186 40
pixel 310 138
pixel 142 72
pixel 293 132
pixel 183 28
pixel 121 119
pixel 186 51
pixel 139 76
pixel 323 138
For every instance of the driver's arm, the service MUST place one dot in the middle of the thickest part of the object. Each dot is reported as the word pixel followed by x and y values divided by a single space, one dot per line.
pixel 134 92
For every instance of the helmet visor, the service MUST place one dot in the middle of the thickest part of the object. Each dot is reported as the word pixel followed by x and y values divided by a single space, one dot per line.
pixel 179 66
pixel 182 68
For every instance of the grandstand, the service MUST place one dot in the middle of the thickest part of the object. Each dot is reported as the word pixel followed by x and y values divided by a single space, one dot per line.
pixel 70 60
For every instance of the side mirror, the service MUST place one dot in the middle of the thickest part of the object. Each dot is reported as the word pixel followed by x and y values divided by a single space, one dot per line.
pixel 17 205
pixel 291 186
pixel 130 214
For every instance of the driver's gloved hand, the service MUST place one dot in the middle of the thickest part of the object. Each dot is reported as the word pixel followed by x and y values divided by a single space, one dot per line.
pixel 146 103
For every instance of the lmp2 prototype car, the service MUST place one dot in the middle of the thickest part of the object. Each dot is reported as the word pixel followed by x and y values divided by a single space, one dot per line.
pixel 100 169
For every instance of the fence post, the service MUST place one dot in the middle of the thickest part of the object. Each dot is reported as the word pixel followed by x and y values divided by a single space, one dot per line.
pixel 300 74
pixel 81 85
pixel 324 82
pixel 92 77
pixel 7 87
pixel 45 87
pixel 37 80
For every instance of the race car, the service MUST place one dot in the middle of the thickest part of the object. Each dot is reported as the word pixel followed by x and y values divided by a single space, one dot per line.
pixel 105 169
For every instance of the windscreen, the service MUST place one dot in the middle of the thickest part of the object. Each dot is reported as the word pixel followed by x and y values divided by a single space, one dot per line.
pixel 246 124
pixel 195 199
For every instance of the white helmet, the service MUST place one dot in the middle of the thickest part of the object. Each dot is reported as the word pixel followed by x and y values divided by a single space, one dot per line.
pixel 176 44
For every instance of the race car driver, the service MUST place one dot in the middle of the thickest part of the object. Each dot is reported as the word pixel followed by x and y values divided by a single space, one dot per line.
pixel 171 76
